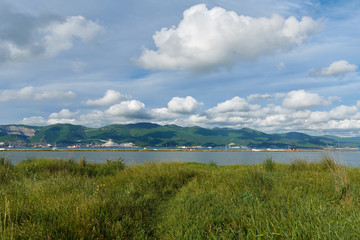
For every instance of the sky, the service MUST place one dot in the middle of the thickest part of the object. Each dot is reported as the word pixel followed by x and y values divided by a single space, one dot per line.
pixel 274 66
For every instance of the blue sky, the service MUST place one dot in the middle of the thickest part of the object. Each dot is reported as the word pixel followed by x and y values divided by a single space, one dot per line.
pixel 275 66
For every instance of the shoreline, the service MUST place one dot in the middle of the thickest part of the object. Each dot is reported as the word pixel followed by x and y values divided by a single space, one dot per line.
pixel 171 150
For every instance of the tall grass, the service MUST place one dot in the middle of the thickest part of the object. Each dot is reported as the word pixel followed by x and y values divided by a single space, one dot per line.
pixel 57 199
pixel 340 178
pixel 269 164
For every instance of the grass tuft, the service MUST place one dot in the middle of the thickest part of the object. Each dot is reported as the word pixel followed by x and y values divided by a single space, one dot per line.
pixel 269 164
pixel 340 179
pixel 82 162
pixel 299 164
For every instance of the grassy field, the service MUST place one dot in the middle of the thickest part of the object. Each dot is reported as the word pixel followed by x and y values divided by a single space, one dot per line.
pixel 63 199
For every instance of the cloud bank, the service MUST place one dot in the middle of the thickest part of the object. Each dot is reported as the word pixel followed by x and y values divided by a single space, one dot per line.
pixel 296 112
pixel 208 39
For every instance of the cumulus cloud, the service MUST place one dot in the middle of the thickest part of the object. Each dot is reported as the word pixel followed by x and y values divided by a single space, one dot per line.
pixel 34 121
pixel 110 97
pixel 24 37
pixel 163 114
pixel 63 114
pixel 94 118
pixel 183 105
pixel 336 69
pixel 302 99
pixel 128 109
pixel 342 112
pixel 31 93
pixel 235 104
pixel 207 39
pixel 177 108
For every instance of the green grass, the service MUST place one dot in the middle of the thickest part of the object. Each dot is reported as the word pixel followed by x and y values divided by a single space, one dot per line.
pixel 66 199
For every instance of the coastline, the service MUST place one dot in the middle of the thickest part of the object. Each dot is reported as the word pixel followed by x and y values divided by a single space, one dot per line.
pixel 172 150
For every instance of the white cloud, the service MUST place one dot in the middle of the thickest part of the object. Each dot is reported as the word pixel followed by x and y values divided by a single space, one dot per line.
pixel 302 99
pixel 26 37
pixel 34 121
pixel 318 117
pixel 163 114
pixel 110 97
pixel 177 109
pixel 24 93
pixel 342 112
pixel 292 115
pixel 336 69
pixel 54 95
pixel 128 109
pixel 62 121
pixel 254 97
pixel 235 104
pixel 63 114
pixel 207 39
pixel 59 36
pixel 95 118
pixel 183 105
pixel 280 95
pixel 31 93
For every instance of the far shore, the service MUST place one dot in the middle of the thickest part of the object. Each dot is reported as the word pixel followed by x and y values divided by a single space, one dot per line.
pixel 172 150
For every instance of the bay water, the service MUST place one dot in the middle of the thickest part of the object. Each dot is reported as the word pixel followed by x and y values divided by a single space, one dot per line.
pixel 217 157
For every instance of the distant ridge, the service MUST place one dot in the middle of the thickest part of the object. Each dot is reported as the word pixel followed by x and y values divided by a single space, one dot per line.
pixel 150 134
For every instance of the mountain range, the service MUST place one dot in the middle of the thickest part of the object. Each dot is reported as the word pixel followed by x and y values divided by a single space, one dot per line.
pixel 149 134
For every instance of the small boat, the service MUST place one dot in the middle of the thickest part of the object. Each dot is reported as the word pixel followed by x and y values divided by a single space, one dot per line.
pixel 72 147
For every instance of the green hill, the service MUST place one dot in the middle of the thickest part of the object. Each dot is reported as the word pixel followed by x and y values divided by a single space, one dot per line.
pixel 148 134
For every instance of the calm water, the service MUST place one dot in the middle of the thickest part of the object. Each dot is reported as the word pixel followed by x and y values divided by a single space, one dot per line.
pixel 220 158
